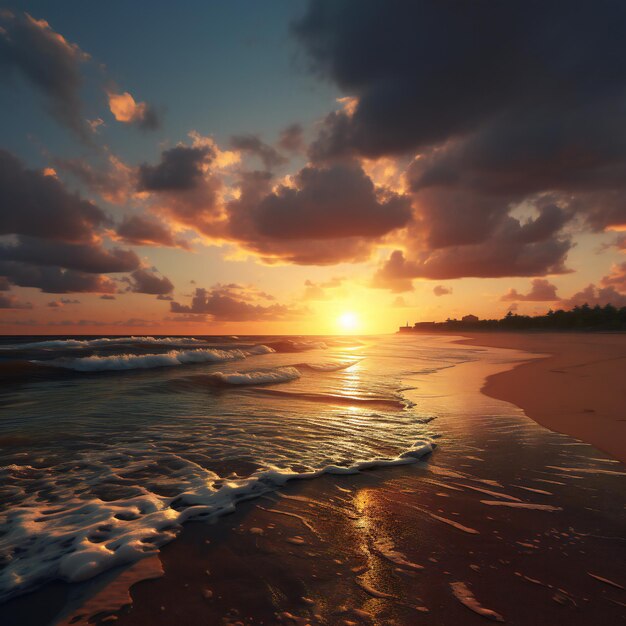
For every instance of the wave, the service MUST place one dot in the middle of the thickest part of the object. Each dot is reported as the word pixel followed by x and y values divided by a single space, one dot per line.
pixel 104 341
pixel 336 399
pixel 257 377
pixel 123 362
pixel 326 367
pixel 80 539
pixel 290 345
pixel 259 349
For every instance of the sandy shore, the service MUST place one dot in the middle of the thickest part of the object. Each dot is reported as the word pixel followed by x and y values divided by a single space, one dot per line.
pixel 506 521
pixel 579 389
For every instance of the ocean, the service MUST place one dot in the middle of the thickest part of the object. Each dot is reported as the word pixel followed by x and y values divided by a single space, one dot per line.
pixel 108 445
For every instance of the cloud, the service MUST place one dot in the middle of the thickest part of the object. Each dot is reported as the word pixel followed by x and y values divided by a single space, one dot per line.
pixel 133 321
pixel 594 295
pixel 144 231
pixel 617 278
pixel 55 279
pixel 89 258
pixel 330 214
pixel 49 62
pixel 396 274
pixel 61 302
pixel 37 205
pixel 113 181
pixel 180 169
pixel 513 249
pixel 440 290
pixel 330 203
pixel 500 107
pixel 144 281
pixel 541 291
pixel 11 302
pixel 399 303
pixel 186 319
pixel 127 111
pixel 4 284
pixel 422 72
pixel 183 186
pixel 228 304
pixel 106 296
pixel 292 138
pixel 252 144
pixel 319 291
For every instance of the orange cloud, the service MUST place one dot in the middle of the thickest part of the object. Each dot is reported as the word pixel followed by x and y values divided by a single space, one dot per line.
pixel 127 110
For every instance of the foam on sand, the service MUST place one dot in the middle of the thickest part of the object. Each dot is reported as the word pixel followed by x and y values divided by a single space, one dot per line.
pixel 79 539
pixel 466 598
pixel 121 362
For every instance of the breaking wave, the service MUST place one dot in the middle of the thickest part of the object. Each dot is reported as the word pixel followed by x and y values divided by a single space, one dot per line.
pixel 257 377
pixel 123 362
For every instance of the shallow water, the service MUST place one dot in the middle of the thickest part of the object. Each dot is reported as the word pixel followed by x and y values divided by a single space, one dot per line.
pixel 102 467
pixel 109 444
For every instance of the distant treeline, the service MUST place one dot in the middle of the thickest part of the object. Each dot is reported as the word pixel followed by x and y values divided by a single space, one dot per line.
pixel 582 317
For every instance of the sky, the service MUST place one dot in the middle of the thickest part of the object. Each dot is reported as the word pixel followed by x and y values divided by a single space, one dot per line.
pixel 307 167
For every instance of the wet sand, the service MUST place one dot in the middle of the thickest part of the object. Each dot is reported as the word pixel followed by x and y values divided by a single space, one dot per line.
pixel 506 521
pixel 579 389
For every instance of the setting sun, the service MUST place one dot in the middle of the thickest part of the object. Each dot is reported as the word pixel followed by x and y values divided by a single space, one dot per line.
pixel 348 321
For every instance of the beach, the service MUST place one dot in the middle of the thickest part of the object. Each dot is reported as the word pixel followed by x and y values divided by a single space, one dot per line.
pixel 506 520
pixel 579 388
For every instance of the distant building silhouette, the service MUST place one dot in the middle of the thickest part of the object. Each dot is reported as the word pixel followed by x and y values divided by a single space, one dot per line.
pixel 581 318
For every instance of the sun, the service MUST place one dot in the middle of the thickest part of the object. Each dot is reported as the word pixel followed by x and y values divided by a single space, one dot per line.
pixel 348 321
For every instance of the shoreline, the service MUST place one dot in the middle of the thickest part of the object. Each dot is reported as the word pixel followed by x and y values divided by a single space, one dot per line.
pixel 576 388
pixel 524 520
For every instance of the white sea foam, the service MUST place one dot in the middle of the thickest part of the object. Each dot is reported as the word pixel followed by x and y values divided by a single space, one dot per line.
pixel 81 538
pixel 258 377
pixel 260 349
pixel 120 362
pixel 327 367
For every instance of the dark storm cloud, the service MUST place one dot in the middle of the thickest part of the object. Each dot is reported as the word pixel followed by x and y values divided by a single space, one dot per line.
pixel 541 291
pixel 180 169
pixel 503 101
pixel 143 231
pixel 88 258
pixel 40 206
pixel 55 279
pixel 226 304
pixel 425 71
pixel 4 284
pixel 48 61
pixel 270 157
pixel 145 281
